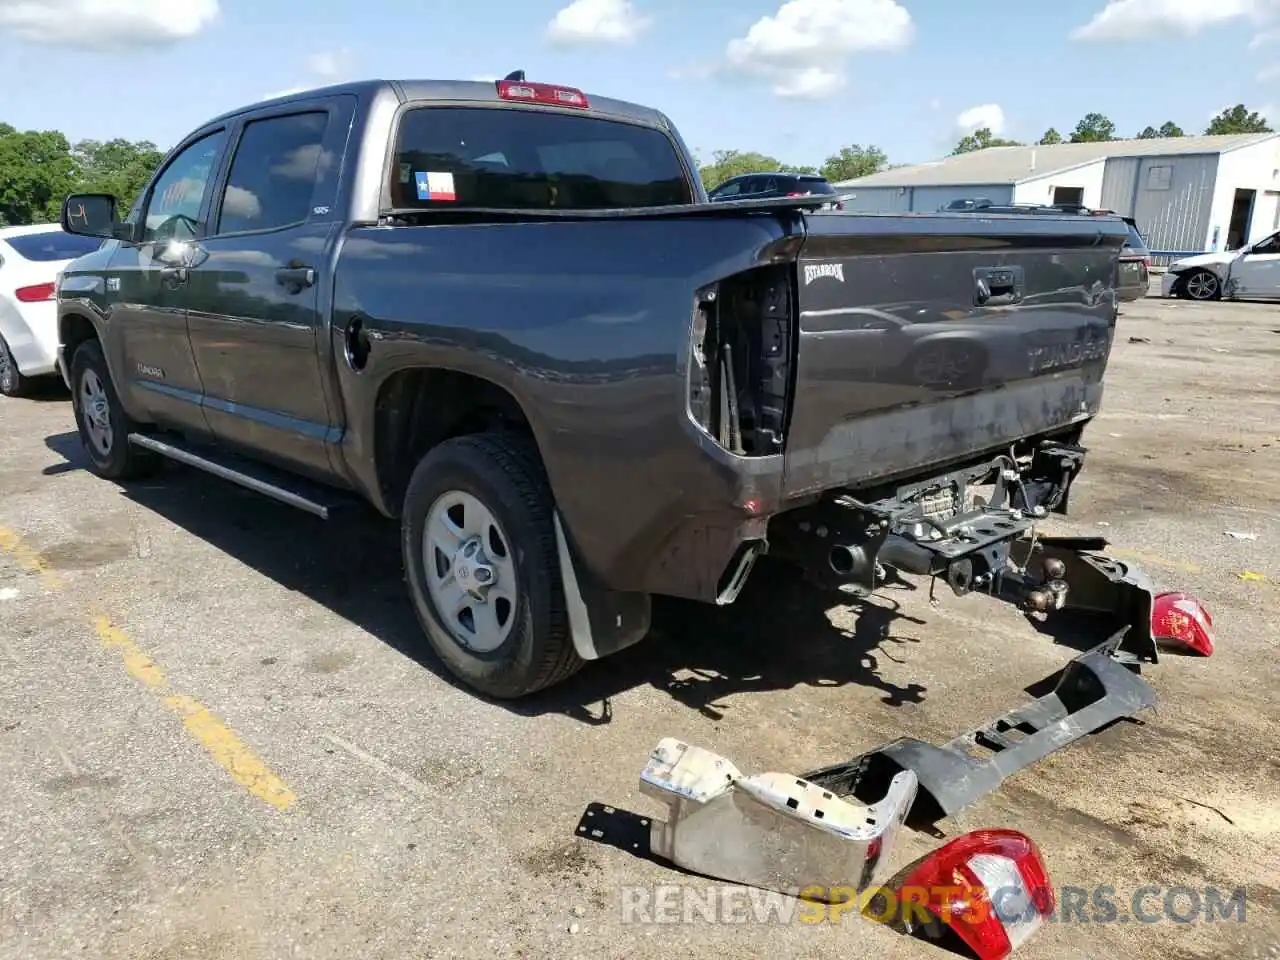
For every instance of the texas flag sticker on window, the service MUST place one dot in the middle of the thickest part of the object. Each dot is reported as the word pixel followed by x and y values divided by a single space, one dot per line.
pixel 435 186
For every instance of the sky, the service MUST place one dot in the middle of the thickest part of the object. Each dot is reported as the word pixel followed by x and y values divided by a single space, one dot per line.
pixel 795 79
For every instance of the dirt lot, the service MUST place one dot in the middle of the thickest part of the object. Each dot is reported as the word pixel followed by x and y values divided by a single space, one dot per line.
pixel 221 737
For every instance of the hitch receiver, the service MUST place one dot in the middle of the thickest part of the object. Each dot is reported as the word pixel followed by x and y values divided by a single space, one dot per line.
pixel 1093 691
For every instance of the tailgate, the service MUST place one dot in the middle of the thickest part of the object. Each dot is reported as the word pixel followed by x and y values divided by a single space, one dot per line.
pixel 924 339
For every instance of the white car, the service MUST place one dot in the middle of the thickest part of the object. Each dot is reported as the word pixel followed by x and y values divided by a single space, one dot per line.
pixel 1252 272
pixel 30 259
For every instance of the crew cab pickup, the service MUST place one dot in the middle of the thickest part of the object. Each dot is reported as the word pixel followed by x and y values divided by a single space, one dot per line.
pixel 507 315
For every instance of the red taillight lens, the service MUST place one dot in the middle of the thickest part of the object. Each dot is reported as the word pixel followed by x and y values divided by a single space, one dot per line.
pixel 1181 619
pixel 990 887
pixel 34 294
pixel 542 93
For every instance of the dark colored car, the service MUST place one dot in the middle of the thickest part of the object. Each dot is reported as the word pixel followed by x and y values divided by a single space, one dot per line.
pixel 760 186
pixel 506 315
pixel 1135 264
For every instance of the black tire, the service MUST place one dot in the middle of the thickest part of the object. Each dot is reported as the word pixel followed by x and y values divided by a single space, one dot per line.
pixel 121 460
pixel 505 474
pixel 1204 283
pixel 12 382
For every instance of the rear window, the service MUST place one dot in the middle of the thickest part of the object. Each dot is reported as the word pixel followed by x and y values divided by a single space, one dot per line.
pixel 816 186
pixel 1135 238
pixel 52 245
pixel 532 160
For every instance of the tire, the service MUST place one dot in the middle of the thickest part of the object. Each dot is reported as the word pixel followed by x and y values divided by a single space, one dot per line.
pixel 96 404
pixel 1201 285
pixel 12 382
pixel 456 482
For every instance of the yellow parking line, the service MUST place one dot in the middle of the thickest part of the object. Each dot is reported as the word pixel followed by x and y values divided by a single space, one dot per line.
pixel 219 740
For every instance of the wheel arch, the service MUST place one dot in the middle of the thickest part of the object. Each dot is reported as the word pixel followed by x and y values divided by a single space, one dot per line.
pixel 417 408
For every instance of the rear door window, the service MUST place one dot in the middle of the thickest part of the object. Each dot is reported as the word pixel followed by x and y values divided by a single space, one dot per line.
pixel 526 159
pixel 274 173
pixel 1135 240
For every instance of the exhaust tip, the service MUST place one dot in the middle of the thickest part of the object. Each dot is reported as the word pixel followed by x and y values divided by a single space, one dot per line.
pixel 842 560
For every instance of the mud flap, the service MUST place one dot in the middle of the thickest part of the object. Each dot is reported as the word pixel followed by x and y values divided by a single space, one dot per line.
pixel 1093 691
pixel 772 830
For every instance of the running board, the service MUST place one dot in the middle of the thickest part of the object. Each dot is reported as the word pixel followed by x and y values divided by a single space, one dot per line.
pixel 1093 691
pixel 299 493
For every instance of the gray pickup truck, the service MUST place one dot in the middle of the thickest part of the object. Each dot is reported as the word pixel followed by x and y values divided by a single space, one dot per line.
pixel 507 315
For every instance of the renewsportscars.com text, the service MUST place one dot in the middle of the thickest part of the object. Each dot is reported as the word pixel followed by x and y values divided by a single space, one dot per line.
pixel 677 904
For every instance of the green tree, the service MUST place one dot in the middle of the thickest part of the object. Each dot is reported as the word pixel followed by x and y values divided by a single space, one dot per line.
pixel 36 173
pixel 118 167
pixel 853 161
pixel 1164 131
pixel 980 139
pixel 1238 119
pixel 1051 136
pixel 1093 128
pixel 726 164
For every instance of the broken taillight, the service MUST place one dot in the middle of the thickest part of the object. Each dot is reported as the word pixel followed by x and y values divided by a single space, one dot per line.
pixel 990 887
pixel 1181 619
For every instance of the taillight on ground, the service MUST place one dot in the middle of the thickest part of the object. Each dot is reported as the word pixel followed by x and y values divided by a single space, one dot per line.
pixel 989 887
pixel 1181 619
pixel 36 293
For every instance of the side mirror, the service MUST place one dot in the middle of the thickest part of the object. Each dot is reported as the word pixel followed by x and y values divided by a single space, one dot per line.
pixel 90 215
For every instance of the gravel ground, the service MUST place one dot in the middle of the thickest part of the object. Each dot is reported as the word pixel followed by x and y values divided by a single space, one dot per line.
pixel 221 736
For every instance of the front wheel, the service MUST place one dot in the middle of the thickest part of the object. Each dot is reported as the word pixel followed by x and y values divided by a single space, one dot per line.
pixel 104 426
pixel 1202 285
pixel 480 558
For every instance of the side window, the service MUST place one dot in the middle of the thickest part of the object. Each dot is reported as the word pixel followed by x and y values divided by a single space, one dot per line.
pixel 1270 245
pixel 273 174
pixel 173 209
pixel 730 189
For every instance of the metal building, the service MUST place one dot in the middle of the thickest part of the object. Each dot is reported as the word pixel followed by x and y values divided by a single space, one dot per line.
pixel 1187 194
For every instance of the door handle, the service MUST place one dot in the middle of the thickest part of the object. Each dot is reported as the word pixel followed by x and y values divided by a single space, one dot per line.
pixel 173 276
pixel 299 278
pixel 997 286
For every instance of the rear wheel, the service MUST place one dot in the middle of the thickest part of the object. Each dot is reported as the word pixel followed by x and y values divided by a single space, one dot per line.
pixel 12 382
pixel 480 557
pixel 104 426
pixel 1202 285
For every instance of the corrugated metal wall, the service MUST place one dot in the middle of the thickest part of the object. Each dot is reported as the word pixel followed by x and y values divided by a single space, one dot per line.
pixel 1119 182
pixel 1175 218
pixel 877 199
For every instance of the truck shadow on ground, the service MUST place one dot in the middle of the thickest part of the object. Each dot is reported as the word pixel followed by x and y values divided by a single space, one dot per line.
pixel 776 637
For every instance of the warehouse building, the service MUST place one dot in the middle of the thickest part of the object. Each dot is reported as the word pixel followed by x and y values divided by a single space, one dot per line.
pixel 1187 194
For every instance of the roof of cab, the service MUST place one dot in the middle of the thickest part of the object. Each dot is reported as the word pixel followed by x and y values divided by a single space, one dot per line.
pixel 481 91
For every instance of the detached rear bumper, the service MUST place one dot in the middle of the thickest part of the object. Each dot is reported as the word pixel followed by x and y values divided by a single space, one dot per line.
pixel 771 830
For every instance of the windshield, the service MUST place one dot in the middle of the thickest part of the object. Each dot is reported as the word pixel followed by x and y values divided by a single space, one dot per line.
pixel 532 160
pixel 52 245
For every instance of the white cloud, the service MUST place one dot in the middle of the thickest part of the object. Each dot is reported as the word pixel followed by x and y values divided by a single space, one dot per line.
pixel 803 49
pixel 111 25
pixel 330 66
pixel 989 115
pixel 596 21
pixel 1146 19
pixel 1264 39
pixel 1269 73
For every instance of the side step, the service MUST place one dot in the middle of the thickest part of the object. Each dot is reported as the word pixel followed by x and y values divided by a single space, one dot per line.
pixel 298 492
pixel 1093 691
